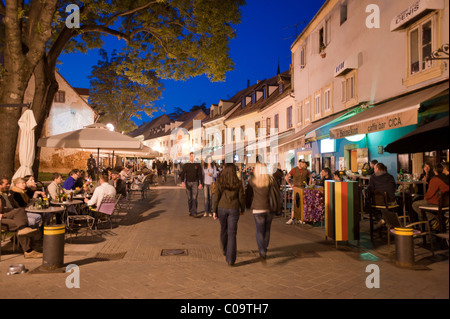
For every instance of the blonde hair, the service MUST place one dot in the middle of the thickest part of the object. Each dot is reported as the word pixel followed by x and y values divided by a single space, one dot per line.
pixel 261 174
pixel 18 180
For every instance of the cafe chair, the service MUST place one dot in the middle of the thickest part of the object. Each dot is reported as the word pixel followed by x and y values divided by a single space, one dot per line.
pixel 394 221
pixel 106 209
pixel 379 202
pixel 441 212
pixel 4 232
pixel 140 188
pixel 78 222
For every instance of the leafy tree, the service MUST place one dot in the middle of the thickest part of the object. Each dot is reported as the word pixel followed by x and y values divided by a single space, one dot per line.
pixel 116 97
pixel 176 39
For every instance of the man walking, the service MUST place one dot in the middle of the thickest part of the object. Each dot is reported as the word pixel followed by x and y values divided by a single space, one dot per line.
pixel 192 179
pixel 301 176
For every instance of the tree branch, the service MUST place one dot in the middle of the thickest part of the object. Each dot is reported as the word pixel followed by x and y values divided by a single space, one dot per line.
pixel 114 17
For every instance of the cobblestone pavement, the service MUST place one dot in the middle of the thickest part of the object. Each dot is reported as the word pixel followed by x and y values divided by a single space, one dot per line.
pixel 126 262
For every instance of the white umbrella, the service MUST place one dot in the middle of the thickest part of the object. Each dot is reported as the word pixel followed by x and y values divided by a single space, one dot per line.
pixel 27 124
pixel 94 136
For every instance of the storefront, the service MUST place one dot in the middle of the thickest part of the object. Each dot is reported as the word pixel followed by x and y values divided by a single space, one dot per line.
pixel 382 123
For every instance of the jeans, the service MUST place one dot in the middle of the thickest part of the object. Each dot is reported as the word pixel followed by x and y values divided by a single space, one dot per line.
pixel 423 202
pixel 34 219
pixel 192 192
pixel 208 198
pixel 263 221
pixel 229 218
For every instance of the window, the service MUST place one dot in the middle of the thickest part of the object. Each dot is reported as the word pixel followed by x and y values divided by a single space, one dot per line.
pixel 349 89
pixel 243 102
pixel 303 57
pixel 60 97
pixel 327 100
pixel 325 35
pixel 307 110
pixel 289 117
pixel 268 126
pixel 317 105
pixel 242 132
pixel 299 113
pixel 257 126
pixel 276 121
pixel 343 12
pixel 254 98
pixel 420 47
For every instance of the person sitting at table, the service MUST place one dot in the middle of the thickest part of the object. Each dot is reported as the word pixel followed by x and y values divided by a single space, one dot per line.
pixel 69 183
pixel 22 197
pixel 55 188
pixel 325 174
pixel 337 176
pixel 105 189
pixel 445 171
pixel 381 181
pixel 118 183
pixel 436 186
pixel 15 219
pixel 371 170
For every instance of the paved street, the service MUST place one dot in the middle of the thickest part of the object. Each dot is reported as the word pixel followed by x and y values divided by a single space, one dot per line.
pixel 127 262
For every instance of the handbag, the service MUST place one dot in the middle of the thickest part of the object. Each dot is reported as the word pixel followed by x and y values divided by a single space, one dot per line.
pixel 274 196
pixel 213 188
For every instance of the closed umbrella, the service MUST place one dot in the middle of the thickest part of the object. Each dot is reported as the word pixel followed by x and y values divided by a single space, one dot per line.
pixel 27 124
pixel 427 138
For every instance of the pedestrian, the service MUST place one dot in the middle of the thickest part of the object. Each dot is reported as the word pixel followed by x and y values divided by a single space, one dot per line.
pixel 301 176
pixel 229 204
pixel 210 174
pixel 258 186
pixel 192 179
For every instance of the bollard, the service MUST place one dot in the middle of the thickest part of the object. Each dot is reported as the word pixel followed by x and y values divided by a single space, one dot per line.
pixel 53 256
pixel 404 248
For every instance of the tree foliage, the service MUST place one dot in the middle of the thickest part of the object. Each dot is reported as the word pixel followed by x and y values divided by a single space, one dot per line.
pixel 116 97
pixel 176 39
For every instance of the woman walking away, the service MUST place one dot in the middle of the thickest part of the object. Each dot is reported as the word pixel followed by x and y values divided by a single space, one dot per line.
pixel 229 204
pixel 259 187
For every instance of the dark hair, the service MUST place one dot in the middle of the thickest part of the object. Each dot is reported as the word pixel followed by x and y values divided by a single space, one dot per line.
pixel 55 176
pixel 445 165
pixel 427 163
pixel 326 169
pixel 104 177
pixel 438 168
pixel 228 178
pixel 374 162
pixel 381 167
pixel 74 171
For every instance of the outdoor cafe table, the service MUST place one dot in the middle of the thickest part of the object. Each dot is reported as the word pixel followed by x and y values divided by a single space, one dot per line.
pixel 52 210
pixel 406 188
pixel 65 204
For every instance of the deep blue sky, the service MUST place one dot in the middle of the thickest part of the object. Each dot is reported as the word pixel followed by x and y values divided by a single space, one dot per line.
pixel 263 37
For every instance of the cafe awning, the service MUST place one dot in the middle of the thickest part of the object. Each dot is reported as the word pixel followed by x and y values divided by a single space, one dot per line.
pixel 427 138
pixel 394 113
pixel 324 130
pixel 298 139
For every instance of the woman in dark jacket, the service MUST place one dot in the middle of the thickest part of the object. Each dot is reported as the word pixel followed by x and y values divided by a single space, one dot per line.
pixel 229 204
pixel 258 186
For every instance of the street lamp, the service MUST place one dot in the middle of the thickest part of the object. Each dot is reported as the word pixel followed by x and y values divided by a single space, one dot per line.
pixel 110 127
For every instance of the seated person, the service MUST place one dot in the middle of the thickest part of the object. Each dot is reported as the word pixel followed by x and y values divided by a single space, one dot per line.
pixel 22 196
pixel 15 219
pixel 436 186
pixel 70 182
pixel 371 170
pixel 381 181
pixel 105 189
pixel 337 176
pixel 118 183
pixel 325 174
pixel 445 171
pixel 55 188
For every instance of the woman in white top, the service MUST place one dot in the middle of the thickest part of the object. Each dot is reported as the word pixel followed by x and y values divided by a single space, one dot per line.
pixel 209 176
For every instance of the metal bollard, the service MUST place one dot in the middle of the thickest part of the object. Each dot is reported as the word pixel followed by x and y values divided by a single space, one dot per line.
pixel 404 247
pixel 53 256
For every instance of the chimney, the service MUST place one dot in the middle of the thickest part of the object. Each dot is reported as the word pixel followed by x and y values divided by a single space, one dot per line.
pixel 248 83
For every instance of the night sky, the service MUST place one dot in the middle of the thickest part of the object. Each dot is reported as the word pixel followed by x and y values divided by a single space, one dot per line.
pixel 264 37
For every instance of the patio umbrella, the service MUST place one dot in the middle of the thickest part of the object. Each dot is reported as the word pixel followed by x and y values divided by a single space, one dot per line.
pixel 430 137
pixel 27 124
pixel 92 137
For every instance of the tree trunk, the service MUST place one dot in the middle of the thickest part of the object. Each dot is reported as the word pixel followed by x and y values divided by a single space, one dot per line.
pixel 45 88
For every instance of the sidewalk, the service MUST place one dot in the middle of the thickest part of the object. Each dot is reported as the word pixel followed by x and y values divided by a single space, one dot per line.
pixel 127 262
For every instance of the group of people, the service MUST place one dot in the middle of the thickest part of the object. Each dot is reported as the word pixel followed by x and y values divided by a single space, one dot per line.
pixel 437 181
pixel 229 200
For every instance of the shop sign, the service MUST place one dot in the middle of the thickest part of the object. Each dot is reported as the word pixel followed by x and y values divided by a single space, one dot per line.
pixel 348 64
pixel 387 122
pixel 414 11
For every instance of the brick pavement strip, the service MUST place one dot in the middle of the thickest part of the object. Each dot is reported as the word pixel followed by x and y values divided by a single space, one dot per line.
pixel 301 264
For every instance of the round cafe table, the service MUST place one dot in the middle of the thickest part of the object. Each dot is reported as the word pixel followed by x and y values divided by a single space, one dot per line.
pixel 52 210
pixel 66 204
